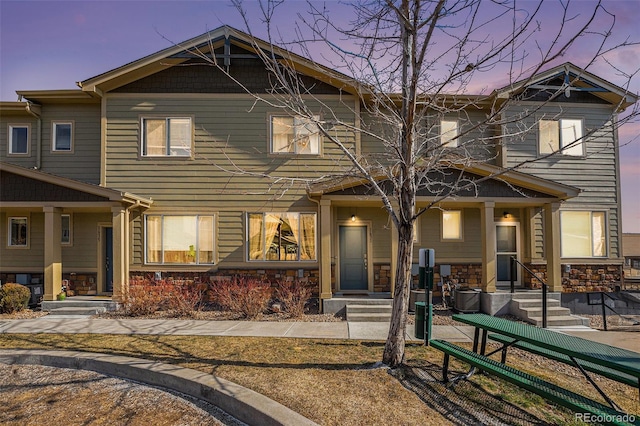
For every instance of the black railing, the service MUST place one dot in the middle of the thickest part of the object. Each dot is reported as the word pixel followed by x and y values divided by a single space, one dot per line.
pixel 545 287
pixel 600 301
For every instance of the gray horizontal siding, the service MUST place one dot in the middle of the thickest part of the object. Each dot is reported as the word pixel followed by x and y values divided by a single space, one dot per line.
pixel 6 120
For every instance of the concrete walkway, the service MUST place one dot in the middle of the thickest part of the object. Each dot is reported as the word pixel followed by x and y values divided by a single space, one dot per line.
pixel 314 330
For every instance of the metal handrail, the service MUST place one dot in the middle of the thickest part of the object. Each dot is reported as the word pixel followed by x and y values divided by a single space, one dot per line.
pixel 605 307
pixel 545 287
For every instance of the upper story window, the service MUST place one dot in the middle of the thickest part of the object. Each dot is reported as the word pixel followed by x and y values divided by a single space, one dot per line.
pixel 18 232
pixel 294 135
pixel 282 236
pixel 564 136
pixel 452 225
pixel 19 139
pixel 173 239
pixel 167 137
pixel 62 133
pixel 449 133
pixel 583 234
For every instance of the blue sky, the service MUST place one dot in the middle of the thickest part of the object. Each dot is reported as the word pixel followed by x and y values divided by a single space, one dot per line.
pixel 53 44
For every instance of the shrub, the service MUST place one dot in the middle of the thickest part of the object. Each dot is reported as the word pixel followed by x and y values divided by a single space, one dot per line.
pixel 13 298
pixel 185 299
pixel 248 296
pixel 294 296
pixel 146 297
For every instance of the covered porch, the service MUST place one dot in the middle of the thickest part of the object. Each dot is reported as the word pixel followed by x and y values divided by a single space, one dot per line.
pixel 66 231
pixel 474 235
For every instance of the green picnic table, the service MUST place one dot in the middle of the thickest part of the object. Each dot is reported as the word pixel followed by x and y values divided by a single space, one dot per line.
pixel 616 363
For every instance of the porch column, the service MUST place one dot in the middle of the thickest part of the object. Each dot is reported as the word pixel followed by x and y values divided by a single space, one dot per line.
pixel 552 246
pixel 488 232
pixel 120 261
pixel 325 249
pixel 394 257
pixel 52 253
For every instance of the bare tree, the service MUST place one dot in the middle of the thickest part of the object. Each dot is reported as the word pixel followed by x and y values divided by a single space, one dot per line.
pixel 412 63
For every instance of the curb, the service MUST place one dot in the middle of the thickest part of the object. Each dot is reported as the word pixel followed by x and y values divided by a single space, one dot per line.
pixel 242 403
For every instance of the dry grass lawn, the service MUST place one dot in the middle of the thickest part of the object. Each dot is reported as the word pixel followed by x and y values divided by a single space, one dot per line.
pixel 336 382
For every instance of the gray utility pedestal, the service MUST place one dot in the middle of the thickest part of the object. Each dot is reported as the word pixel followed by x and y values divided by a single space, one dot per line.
pixel 466 301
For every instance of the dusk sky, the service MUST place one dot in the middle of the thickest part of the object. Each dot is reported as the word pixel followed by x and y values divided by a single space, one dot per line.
pixel 54 44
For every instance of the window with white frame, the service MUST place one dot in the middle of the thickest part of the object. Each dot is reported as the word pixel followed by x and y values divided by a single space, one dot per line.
pixel 282 236
pixel 62 136
pixel 18 232
pixel 452 225
pixel 167 137
pixel 173 239
pixel 65 226
pixel 583 234
pixel 449 133
pixel 18 139
pixel 564 136
pixel 294 135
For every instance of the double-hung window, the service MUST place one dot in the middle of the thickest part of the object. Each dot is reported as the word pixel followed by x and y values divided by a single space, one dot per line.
pixel 449 133
pixel 18 232
pixel 62 136
pixel 564 136
pixel 174 239
pixel 294 135
pixel 452 225
pixel 282 236
pixel 583 233
pixel 18 139
pixel 167 137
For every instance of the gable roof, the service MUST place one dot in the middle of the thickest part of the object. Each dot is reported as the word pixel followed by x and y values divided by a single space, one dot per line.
pixel 574 79
pixel 59 188
pixel 204 44
pixel 521 184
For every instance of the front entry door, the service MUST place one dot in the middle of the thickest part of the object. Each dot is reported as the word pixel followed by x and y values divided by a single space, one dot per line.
pixel 507 243
pixel 353 258
pixel 108 260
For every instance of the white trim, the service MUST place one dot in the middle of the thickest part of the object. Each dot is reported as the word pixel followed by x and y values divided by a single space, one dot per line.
pixel 518 252
pixel 54 148
pixel 10 128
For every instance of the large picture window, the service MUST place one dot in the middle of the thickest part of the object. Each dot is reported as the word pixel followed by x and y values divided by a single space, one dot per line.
pixel 583 234
pixel 563 136
pixel 282 236
pixel 294 135
pixel 18 232
pixel 18 139
pixel 166 137
pixel 179 239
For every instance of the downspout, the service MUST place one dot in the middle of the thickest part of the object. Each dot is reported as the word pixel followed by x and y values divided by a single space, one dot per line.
pixel 38 135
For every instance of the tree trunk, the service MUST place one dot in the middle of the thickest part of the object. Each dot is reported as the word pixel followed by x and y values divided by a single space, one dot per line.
pixel 394 347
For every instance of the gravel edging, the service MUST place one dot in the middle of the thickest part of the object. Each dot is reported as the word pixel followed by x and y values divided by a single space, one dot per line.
pixel 244 404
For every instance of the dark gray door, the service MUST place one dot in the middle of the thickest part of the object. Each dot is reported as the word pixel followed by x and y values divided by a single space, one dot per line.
pixel 108 262
pixel 353 258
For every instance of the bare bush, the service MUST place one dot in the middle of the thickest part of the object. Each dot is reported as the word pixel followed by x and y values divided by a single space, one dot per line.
pixel 294 296
pixel 246 295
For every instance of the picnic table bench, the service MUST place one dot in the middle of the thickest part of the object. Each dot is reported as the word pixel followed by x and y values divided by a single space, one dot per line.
pixel 612 362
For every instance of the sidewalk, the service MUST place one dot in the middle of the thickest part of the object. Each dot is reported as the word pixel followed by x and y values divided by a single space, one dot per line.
pixel 313 330
pixel 316 330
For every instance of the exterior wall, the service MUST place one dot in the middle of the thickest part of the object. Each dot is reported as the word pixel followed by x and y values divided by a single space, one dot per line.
pixel 82 164
pixel 79 257
pixel 15 118
pixel 595 173
pixel 228 139
pixel 579 278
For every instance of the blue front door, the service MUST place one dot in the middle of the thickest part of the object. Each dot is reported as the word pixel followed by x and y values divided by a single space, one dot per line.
pixel 353 258
pixel 108 260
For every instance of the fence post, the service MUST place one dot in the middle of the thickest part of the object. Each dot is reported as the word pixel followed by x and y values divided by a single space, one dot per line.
pixel 512 274
pixel 604 311
pixel 544 305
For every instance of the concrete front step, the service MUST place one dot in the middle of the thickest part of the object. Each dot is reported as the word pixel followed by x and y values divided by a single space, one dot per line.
pixel 563 321
pixel 70 310
pixel 371 313
pixel 555 311
pixel 107 305
pixel 533 303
